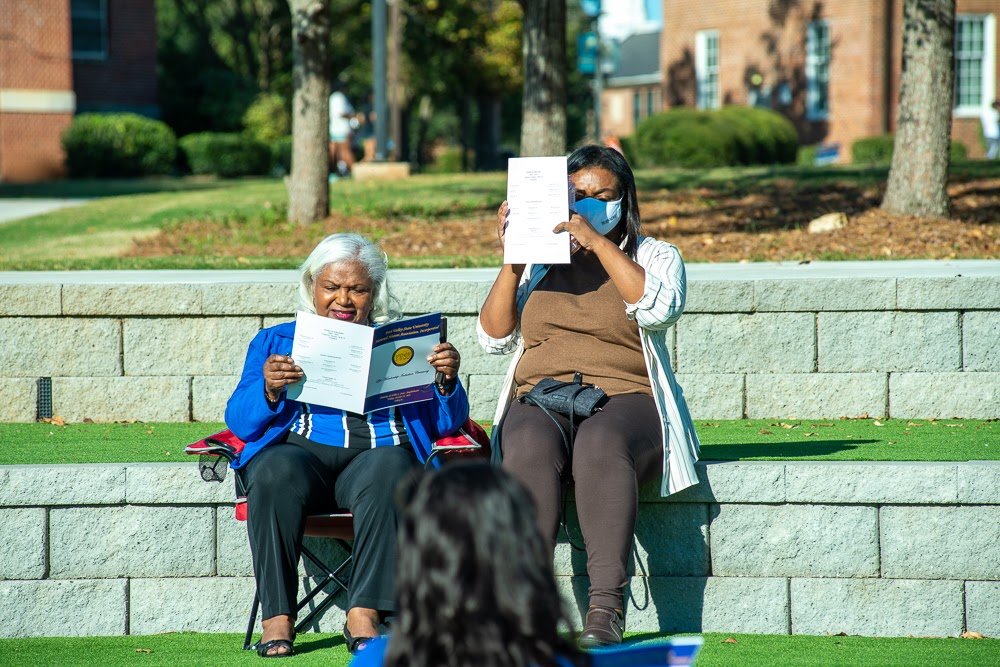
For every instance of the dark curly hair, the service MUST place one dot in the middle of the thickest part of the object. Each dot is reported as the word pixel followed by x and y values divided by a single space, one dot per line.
pixel 593 155
pixel 474 580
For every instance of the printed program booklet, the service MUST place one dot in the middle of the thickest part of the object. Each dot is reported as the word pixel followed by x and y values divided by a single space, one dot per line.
pixel 359 368
pixel 676 651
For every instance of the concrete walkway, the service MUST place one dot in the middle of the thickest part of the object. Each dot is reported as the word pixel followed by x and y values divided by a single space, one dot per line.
pixel 15 209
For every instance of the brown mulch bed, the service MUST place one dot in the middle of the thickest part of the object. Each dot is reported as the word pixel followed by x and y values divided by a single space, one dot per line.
pixel 766 224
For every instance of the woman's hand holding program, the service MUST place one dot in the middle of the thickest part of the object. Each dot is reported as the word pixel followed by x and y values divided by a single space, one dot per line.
pixel 279 372
pixel 581 234
pixel 445 359
pixel 503 219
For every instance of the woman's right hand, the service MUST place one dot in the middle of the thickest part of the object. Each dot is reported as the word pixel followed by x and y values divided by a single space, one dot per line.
pixel 503 218
pixel 503 213
pixel 279 372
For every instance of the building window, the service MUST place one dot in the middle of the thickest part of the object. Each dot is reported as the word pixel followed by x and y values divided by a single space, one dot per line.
pixel 650 106
pixel 975 44
pixel 90 28
pixel 636 108
pixel 817 70
pixel 706 68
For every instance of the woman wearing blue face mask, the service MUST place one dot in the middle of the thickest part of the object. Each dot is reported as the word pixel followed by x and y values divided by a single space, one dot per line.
pixel 606 315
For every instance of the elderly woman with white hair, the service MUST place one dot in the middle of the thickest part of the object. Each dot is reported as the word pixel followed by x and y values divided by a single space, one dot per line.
pixel 302 459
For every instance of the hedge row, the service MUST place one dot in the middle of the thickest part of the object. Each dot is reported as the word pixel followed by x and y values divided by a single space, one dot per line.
pixel 878 150
pixel 122 144
pixel 226 154
pixel 735 135
pixel 129 145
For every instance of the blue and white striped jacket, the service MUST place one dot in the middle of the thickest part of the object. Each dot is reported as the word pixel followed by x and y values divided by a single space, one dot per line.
pixel 257 423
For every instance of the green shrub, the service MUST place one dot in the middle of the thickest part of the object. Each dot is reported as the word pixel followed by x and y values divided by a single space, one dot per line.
pixel 872 150
pixel 281 156
pixel 683 137
pixel 226 154
pixel 448 161
pixel 878 150
pixel 686 137
pixel 119 144
pixel 807 155
pixel 267 119
pixel 777 134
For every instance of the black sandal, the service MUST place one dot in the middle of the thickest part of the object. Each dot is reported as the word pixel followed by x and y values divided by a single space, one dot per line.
pixel 262 649
pixel 355 644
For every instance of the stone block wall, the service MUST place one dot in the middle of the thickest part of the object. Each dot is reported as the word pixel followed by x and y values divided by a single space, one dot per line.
pixel 897 339
pixel 879 549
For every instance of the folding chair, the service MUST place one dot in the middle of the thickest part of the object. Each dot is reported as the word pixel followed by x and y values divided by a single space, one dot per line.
pixel 218 450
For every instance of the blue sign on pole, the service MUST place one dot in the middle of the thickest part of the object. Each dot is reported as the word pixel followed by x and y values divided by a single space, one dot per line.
pixel 591 8
pixel 586 52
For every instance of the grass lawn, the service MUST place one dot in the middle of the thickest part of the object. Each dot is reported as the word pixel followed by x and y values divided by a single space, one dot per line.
pixel 745 439
pixel 94 235
pixel 720 650
pixel 724 214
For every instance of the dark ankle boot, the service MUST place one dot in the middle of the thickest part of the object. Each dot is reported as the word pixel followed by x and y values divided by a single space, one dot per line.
pixel 604 627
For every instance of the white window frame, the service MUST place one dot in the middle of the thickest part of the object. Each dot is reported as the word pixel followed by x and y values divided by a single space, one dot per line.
pixel 988 84
pixel 101 14
pixel 817 65
pixel 706 73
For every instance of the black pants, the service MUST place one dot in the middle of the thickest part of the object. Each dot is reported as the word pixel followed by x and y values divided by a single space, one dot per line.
pixel 285 482
pixel 615 450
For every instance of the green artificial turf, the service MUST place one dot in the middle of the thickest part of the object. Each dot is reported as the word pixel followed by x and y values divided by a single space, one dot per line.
pixel 720 650
pixel 744 439
pixel 99 443
pixel 850 439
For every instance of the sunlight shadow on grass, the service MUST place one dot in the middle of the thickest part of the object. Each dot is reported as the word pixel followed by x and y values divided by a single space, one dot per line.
pixel 778 450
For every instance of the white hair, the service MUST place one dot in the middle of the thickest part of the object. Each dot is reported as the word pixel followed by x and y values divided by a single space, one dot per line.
pixel 353 248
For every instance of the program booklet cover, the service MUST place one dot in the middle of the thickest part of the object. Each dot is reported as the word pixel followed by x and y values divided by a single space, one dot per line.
pixel 359 368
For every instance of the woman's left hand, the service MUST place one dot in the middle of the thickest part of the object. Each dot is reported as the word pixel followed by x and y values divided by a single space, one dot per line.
pixel 582 235
pixel 445 359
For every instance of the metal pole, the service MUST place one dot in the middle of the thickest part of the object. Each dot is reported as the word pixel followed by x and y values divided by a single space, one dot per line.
pixel 379 67
pixel 598 81
pixel 395 108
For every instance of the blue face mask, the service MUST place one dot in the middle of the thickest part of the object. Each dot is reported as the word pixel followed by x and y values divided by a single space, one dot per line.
pixel 603 216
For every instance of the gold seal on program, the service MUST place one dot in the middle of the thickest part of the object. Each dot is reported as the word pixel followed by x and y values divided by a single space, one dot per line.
pixel 402 356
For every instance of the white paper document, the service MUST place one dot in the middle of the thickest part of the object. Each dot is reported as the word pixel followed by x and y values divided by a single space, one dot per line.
pixel 359 368
pixel 537 193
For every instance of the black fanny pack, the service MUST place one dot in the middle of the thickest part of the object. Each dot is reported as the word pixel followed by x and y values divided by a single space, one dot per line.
pixel 573 399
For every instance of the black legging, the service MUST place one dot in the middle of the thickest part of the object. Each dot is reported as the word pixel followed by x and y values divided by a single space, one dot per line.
pixel 615 450
pixel 285 482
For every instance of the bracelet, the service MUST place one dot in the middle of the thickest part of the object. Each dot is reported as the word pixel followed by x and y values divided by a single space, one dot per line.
pixel 267 398
pixel 447 386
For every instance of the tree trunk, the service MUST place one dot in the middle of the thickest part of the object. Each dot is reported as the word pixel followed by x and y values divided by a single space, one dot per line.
pixel 543 122
pixel 308 188
pixel 919 173
pixel 488 134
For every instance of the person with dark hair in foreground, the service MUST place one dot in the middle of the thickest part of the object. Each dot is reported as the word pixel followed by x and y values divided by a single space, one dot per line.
pixel 605 315
pixel 474 578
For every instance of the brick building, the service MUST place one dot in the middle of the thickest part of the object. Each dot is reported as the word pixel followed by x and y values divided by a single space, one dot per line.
pixel 633 91
pixel 60 57
pixel 833 68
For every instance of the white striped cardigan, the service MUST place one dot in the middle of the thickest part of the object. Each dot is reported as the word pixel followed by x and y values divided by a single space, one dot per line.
pixel 660 306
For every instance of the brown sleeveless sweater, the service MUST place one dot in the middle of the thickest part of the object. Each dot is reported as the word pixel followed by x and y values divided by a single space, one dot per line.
pixel 574 320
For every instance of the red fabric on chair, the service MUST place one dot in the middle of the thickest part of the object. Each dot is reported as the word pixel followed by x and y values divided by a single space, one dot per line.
pixel 224 444
pixel 469 441
pixel 217 443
